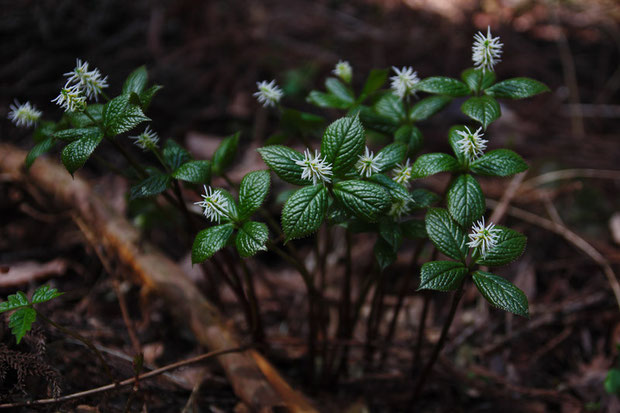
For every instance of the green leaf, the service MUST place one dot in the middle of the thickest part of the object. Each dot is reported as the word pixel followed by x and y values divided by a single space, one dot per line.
pixel 295 122
pixel 391 232
pixel 153 185
pixel 384 253
pixel 367 200
pixel 427 107
pixel 510 245
pixel 483 109
pixel 391 155
pixel 338 216
pixel 375 80
pixel 38 150
pixel 196 172
pixel 283 196
pixel 517 88
pixel 465 200
pixel 476 80
pixel 391 108
pixel 281 160
pixel 147 96
pixel 432 163
pixel 352 224
pixel 304 211
pixel 501 293
pixel 443 86
pixel 174 154
pixel 453 138
pixel 252 192
pixel 338 89
pixel 120 115
pixel 136 81
pixel 44 293
pixel 500 162
pixel 374 121
pixel 442 275
pixel 44 130
pixel 233 212
pixel 21 321
pixel 251 238
pixel 70 135
pixel 446 234
pixel 14 301
pixel 411 136
pixel 209 241
pixel 612 382
pixel 277 138
pixel 414 229
pixel 82 120
pixel 326 100
pixel 75 154
pixel 225 153
pixel 396 191
pixel 423 198
pixel 342 142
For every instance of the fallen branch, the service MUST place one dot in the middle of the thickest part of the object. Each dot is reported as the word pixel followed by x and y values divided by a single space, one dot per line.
pixel 486 381
pixel 124 383
pixel 25 272
pixel 564 174
pixel 253 379
pixel 499 210
pixel 572 238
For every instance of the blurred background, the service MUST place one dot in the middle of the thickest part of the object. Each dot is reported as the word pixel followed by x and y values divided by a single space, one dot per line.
pixel 210 54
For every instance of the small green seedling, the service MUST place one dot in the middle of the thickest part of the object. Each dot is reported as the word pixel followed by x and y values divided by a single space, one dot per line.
pixel 24 314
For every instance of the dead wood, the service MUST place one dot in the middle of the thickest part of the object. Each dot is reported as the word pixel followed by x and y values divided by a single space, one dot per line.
pixel 24 272
pixel 253 379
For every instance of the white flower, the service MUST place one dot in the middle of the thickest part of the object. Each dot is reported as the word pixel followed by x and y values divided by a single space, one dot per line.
pixel 471 145
pixel 343 70
pixel 403 84
pixel 147 139
pixel 90 82
pixel 483 237
pixel 23 114
pixel 71 98
pixel 268 93
pixel 368 163
pixel 215 204
pixel 486 51
pixel 400 207
pixel 314 168
pixel 402 174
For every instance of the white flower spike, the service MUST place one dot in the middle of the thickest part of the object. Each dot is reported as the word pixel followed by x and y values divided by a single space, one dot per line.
pixel 90 82
pixel 215 204
pixel 24 114
pixel 402 174
pixel 71 98
pixel 343 70
pixel 471 145
pixel 368 163
pixel 483 236
pixel 403 84
pixel 399 208
pixel 147 139
pixel 268 93
pixel 314 168
pixel 486 51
